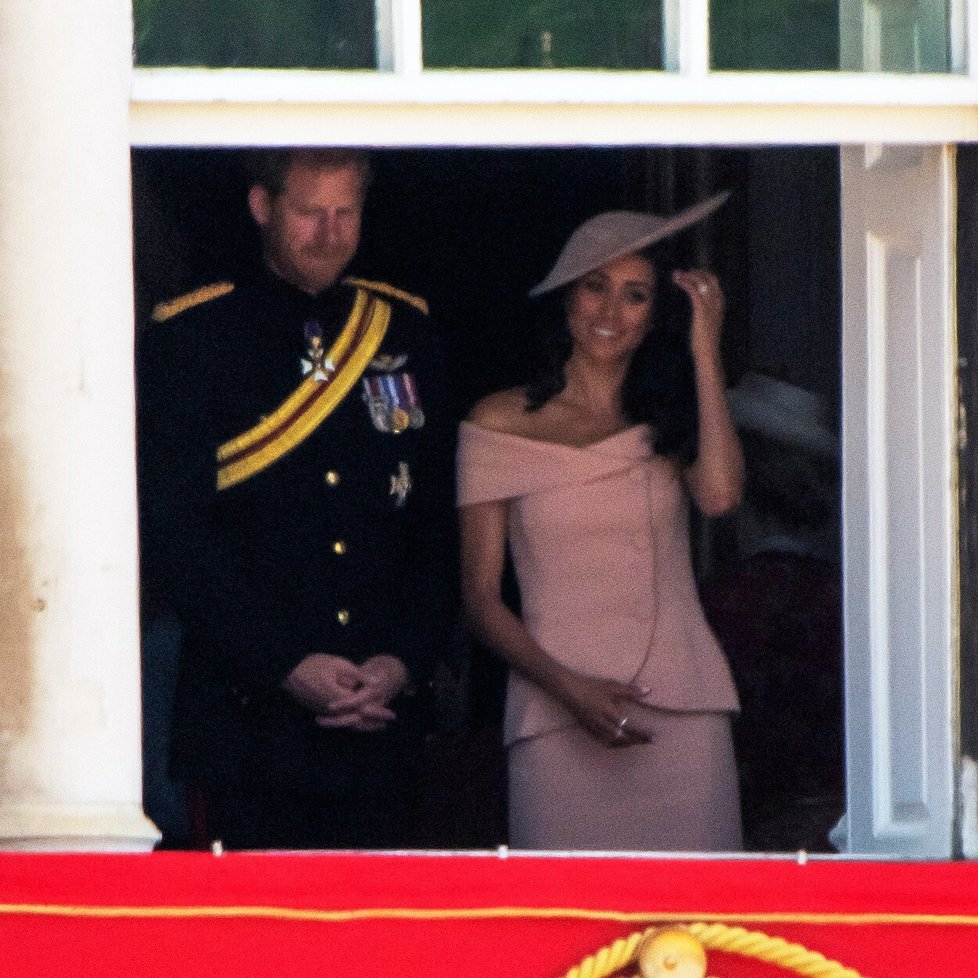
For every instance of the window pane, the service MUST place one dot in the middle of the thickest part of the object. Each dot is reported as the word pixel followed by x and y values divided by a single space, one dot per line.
pixel 828 35
pixel 255 33
pixel 905 35
pixel 548 34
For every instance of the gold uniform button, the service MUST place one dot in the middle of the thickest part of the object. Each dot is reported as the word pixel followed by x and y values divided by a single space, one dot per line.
pixel 332 478
pixel 343 616
pixel 339 548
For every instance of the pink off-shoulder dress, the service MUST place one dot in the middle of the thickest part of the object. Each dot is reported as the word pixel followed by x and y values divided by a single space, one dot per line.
pixel 600 545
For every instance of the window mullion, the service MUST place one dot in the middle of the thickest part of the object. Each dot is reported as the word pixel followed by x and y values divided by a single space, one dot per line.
pixel 399 37
pixel 686 37
pixel 960 24
pixel 965 25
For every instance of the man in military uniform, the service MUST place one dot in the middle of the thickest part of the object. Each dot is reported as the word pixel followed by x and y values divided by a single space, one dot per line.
pixel 294 461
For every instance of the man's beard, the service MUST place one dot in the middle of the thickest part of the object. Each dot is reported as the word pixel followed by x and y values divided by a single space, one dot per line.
pixel 327 263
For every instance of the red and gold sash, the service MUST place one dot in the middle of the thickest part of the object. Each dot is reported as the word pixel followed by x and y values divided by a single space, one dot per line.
pixel 312 401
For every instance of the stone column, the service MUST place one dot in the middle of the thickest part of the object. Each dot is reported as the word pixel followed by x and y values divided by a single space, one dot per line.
pixel 69 645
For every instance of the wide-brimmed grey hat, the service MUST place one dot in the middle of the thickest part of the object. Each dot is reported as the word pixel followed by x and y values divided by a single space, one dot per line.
pixel 610 235
pixel 783 412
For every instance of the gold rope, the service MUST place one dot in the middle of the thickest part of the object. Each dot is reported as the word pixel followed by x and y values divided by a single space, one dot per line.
pixel 611 958
pixel 719 937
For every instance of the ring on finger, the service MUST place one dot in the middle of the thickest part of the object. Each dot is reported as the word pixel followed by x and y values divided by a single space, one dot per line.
pixel 620 729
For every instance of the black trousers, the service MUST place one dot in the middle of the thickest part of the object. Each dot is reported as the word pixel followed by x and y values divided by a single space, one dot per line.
pixel 268 778
pixel 264 817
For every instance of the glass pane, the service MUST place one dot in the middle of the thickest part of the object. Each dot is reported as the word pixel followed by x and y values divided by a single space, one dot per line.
pixel 829 35
pixel 255 33
pixel 548 34
pixel 905 35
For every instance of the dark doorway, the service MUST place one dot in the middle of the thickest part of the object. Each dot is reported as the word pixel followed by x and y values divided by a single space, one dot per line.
pixel 967 261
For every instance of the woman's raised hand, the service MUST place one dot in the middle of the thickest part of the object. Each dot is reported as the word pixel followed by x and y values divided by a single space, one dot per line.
pixel 601 706
pixel 709 304
pixel 716 478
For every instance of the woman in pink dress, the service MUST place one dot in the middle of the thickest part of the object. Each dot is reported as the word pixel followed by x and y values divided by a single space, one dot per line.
pixel 618 707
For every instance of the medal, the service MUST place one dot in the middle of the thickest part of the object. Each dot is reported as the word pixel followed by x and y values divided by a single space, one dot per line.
pixel 400 420
pixel 401 484
pixel 379 414
pixel 377 407
pixel 392 401
pixel 415 413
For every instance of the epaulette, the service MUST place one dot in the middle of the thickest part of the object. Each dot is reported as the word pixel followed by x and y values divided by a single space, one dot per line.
pixel 391 292
pixel 173 307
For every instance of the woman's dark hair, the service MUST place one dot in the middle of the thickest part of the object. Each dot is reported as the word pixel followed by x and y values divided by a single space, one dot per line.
pixel 660 386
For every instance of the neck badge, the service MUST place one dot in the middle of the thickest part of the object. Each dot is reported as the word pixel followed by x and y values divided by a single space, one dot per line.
pixel 319 364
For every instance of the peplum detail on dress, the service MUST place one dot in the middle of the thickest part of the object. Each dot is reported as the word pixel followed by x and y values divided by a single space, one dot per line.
pixel 599 537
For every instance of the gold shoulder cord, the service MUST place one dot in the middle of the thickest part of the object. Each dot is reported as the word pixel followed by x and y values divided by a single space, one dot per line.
pixel 390 292
pixel 167 310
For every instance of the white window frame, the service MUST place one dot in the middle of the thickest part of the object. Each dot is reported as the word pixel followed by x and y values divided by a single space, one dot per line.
pixel 402 104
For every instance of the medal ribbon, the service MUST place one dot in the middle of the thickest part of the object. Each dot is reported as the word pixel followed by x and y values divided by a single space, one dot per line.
pixel 306 408
pixel 389 383
pixel 411 391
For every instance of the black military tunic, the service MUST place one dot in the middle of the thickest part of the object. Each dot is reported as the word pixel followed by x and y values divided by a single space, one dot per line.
pixel 339 546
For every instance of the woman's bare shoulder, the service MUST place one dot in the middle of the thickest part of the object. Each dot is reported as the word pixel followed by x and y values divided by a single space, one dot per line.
pixel 504 411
